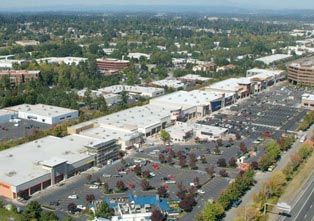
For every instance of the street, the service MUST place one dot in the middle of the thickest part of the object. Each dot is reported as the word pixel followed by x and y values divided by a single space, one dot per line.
pixel 302 209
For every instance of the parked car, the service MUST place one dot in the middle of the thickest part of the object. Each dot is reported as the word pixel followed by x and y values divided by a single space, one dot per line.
pixel 73 197
pixel 81 207
pixel 93 187
pixel 106 175
pixel 54 203
pixel 170 182
pixel 200 191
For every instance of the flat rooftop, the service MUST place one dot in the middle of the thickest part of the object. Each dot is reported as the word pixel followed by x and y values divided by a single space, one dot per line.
pixel 307 96
pixel 187 99
pixel 308 64
pixel 231 84
pixel 136 117
pixel 209 129
pixel 195 77
pixel 25 162
pixel 169 83
pixel 273 58
pixel 135 89
pixel 66 60
pixel 41 109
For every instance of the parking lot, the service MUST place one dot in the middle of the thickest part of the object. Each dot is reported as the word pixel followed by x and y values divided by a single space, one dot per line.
pixel 255 119
pixel 24 128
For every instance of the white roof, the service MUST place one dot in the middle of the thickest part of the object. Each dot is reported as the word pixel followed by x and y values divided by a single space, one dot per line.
pixel 231 84
pixel 308 64
pixel 23 163
pixel 66 60
pixel 138 55
pixel 103 132
pixel 136 117
pixel 6 112
pixel 209 129
pixel 41 110
pixel 169 83
pixel 308 96
pixel 273 58
pixel 187 99
pixel 133 89
pixel 264 73
pixel 195 77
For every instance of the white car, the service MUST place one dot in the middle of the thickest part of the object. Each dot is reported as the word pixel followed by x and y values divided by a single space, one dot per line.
pixel 170 182
pixel 73 196
pixel 137 160
pixel 152 174
pixel 200 191
pixel 81 207
pixel 93 187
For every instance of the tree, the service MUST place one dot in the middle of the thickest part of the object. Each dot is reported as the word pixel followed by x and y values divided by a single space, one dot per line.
pixel 212 211
pixel 197 182
pixel 32 211
pixel 169 159
pixel 265 161
pixel 146 174
pixel 203 159
pixel 68 218
pixel 71 207
pixel 145 185
pixel 223 173
pixel 192 162
pixel 138 170
pixel 243 148
pixel 104 211
pixel 106 188
pixel 164 135
pixel 305 151
pixel 221 162
pixel 48 216
pixel 120 185
pixel 210 171
pixel 157 215
pixel 162 191
pixel 232 162
pixel 182 161
pixel 181 190
pixel 161 158
pixel 90 198
pixel 237 136
pixel 254 165
pixel 219 142
pixel 187 203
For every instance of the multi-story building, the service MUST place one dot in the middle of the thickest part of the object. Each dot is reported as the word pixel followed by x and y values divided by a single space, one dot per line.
pixel 111 64
pixel 43 113
pixel 36 165
pixel 308 101
pixel 301 73
pixel 19 76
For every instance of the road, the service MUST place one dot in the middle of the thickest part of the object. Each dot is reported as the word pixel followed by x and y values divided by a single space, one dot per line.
pixel 302 208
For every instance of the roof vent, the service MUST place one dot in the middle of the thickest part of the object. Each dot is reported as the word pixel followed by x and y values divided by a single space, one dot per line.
pixel 10 155
pixel 11 173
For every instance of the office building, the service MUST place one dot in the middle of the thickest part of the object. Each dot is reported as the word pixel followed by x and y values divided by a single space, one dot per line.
pixel 301 73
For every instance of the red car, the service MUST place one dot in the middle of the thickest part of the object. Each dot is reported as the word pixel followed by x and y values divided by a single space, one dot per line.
pixel 131 185
pixel 171 176
pixel 155 166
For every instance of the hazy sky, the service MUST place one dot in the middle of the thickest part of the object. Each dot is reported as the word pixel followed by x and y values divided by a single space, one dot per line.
pixel 260 4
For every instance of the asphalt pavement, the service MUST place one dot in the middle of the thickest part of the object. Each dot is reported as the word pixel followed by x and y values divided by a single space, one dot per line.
pixel 302 208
